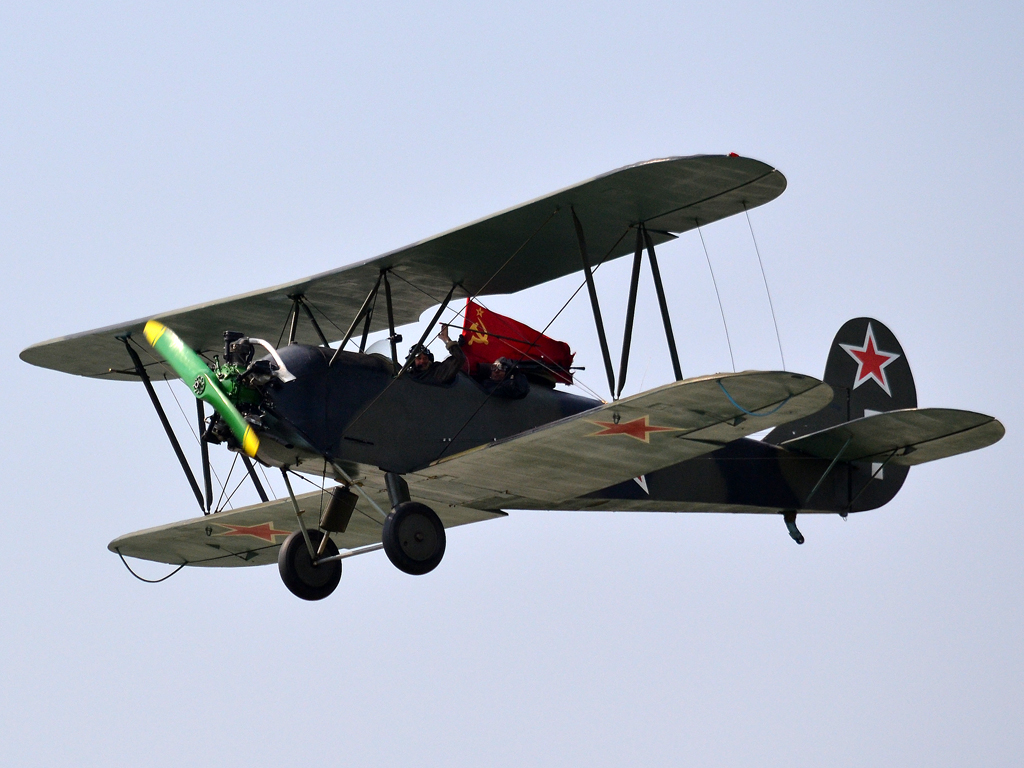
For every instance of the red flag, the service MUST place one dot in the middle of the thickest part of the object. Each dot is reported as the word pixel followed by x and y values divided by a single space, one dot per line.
pixel 487 336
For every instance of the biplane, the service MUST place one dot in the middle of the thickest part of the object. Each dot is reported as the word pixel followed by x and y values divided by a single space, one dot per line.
pixel 405 459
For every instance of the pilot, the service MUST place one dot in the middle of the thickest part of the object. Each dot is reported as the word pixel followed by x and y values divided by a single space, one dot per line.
pixel 424 369
pixel 505 380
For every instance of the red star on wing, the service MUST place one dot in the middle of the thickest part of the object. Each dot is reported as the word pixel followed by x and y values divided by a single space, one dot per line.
pixel 871 361
pixel 639 429
pixel 264 531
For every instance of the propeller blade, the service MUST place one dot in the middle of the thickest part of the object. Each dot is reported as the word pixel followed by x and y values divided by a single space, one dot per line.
pixel 193 370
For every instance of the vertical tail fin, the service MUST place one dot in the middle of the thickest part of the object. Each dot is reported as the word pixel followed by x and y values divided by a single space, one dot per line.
pixel 868 363
pixel 869 373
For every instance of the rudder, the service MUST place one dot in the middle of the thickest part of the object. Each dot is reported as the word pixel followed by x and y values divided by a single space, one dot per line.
pixel 869 373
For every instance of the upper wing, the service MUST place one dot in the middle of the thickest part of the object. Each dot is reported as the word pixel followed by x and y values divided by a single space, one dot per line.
pixel 509 251
pixel 252 535
pixel 910 436
pixel 621 440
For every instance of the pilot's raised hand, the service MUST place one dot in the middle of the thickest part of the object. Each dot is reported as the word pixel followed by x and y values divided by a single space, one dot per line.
pixel 443 335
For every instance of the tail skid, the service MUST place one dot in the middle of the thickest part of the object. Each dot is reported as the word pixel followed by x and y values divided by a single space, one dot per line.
pixel 850 456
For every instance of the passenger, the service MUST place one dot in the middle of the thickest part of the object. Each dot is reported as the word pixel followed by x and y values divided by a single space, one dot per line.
pixel 505 380
pixel 424 369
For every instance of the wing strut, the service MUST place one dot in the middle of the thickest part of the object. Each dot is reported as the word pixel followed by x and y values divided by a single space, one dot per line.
pixel 298 300
pixel 643 238
pixel 656 274
pixel 593 301
pixel 293 320
pixel 392 336
pixel 437 316
pixel 255 480
pixel 205 451
pixel 627 335
pixel 365 310
pixel 141 372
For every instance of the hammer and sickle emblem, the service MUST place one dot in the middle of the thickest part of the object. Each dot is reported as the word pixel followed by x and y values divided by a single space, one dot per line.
pixel 477 337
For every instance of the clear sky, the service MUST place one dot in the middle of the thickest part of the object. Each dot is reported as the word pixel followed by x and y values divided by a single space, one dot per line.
pixel 153 158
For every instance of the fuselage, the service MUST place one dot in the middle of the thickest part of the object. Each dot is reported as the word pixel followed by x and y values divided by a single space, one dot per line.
pixel 355 410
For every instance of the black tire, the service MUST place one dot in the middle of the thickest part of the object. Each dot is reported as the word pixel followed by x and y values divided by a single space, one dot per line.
pixel 414 538
pixel 300 575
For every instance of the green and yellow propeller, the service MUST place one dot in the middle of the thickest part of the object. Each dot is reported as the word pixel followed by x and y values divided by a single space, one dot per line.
pixel 193 370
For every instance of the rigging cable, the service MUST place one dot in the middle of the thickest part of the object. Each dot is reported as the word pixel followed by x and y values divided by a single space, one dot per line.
pixel 227 501
pixel 720 307
pixel 542 333
pixel 403 368
pixel 227 480
pixel 148 581
pixel 182 410
pixel 167 381
pixel 362 512
pixel 581 286
pixel 763 277
pixel 324 315
pixel 751 413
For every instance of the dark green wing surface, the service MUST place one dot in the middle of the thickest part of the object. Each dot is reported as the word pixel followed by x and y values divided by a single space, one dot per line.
pixel 507 252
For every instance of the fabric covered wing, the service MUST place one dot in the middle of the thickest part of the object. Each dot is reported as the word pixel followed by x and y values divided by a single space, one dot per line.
pixel 253 535
pixel 509 251
pixel 916 435
pixel 621 440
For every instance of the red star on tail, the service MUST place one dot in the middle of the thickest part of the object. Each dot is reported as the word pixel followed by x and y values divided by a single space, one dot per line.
pixel 871 361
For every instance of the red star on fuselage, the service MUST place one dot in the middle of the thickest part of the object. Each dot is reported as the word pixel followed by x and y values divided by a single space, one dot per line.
pixel 871 361
pixel 264 531
pixel 638 429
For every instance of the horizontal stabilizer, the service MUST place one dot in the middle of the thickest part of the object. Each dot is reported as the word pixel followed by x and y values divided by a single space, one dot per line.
pixel 252 535
pixel 907 437
pixel 624 439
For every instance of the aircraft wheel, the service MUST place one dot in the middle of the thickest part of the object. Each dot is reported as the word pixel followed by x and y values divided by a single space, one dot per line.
pixel 300 575
pixel 414 538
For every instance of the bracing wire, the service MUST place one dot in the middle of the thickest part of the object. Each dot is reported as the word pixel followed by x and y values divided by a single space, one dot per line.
pixel 226 481
pixel 227 501
pixel 358 509
pixel 266 480
pixel 516 252
pixel 373 402
pixel 322 314
pixel 764 277
pixel 719 295
pixel 189 423
pixel 577 380
pixel 752 413
pixel 543 332
pixel 148 581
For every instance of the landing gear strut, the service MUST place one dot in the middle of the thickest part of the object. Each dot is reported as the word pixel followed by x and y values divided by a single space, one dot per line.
pixel 305 578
